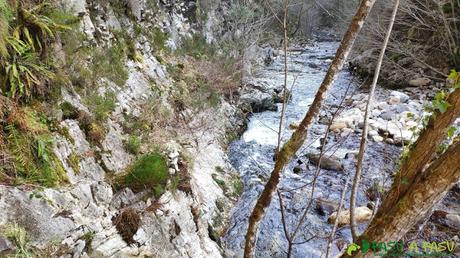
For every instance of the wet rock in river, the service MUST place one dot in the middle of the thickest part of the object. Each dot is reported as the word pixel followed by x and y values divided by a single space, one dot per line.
pixel 363 214
pixel 394 100
pixel 259 101
pixel 327 161
pixel 446 219
pixel 325 207
pixel 402 96
pixel 337 126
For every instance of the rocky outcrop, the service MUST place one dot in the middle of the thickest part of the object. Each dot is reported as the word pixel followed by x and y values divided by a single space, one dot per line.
pixel 79 217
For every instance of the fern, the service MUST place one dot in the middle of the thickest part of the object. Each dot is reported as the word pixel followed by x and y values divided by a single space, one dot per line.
pixel 22 73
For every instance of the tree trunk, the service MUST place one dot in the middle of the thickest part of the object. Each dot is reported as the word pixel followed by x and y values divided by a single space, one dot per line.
pixel 422 152
pixel 362 147
pixel 425 191
pixel 419 184
pixel 298 137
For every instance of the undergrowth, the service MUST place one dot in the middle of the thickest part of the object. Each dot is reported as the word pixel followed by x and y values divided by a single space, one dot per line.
pixel 148 172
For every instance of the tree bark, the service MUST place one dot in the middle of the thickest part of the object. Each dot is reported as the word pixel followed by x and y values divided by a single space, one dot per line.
pixel 298 137
pixel 419 184
pixel 425 191
pixel 362 147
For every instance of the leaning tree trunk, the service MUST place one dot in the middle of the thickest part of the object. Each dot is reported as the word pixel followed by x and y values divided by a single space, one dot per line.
pixel 362 146
pixel 425 191
pixel 418 185
pixel 298 137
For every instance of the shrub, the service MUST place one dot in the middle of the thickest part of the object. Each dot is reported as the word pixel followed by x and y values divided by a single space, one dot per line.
pixel 101 106
pixel 149 171
pixel 110 63
pixel 74 162
pixel 158 40
pixel 95 133
pixel 196 46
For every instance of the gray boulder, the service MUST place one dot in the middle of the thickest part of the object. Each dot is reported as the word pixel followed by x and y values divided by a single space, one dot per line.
pixel 327 161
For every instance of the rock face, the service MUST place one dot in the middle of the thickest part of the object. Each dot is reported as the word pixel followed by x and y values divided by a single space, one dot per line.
pixel 78 217
pixel 259 96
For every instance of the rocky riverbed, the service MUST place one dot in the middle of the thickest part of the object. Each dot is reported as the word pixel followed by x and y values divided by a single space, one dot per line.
pixel 395 118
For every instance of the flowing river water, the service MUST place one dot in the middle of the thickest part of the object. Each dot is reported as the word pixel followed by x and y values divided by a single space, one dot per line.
pixel 252 156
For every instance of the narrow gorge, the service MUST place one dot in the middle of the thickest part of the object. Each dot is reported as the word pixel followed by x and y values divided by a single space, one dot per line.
pixel 144 128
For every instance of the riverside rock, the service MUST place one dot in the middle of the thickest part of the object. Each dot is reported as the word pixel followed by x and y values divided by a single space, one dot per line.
pixel 327 161
pixel 418 82
pixel 363 214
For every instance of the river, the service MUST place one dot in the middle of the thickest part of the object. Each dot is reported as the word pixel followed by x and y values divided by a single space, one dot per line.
pixel 252 154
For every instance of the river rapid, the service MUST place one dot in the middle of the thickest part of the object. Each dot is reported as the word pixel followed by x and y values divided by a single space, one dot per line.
pixel 252 154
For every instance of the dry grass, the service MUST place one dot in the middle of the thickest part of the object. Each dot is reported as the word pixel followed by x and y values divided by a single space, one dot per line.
pixel 127 223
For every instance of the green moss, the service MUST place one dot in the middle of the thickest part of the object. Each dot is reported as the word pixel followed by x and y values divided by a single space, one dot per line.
pixel 149 171
pixel 74 162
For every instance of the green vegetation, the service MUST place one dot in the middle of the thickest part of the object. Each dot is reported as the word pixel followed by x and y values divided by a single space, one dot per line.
pixel 158 40
pixel 74 162
pixel 148 172
pixel 68 111
pixel 26 31
pixel 133 144
pixel 29 142
pixel 197 47
pixel 110 63
pixel 101 106
pixel 238 186
pixel 18 236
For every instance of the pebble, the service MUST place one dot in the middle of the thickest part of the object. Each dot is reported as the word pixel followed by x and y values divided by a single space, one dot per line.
pixel 394 100
pixel 346 132
pixel 377 138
